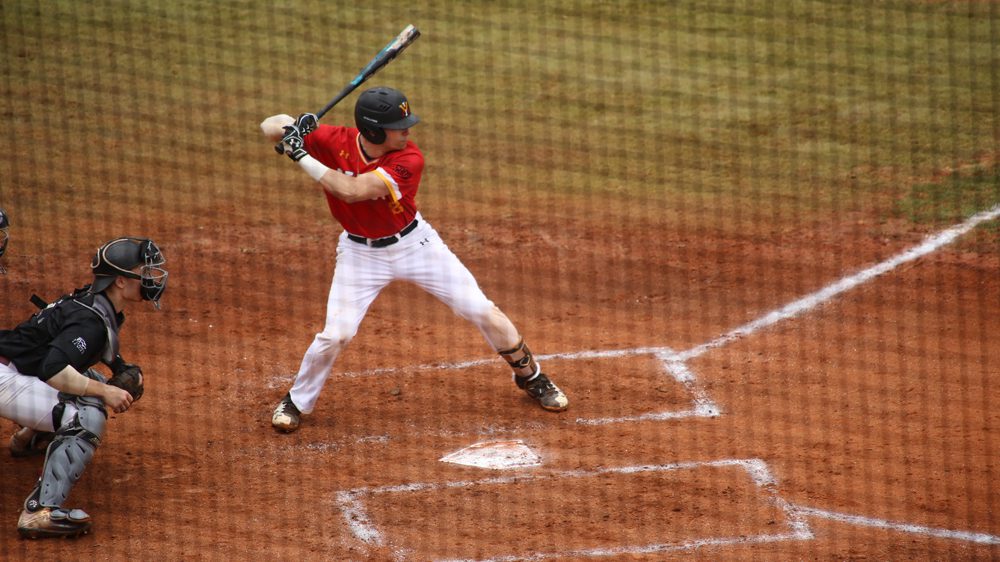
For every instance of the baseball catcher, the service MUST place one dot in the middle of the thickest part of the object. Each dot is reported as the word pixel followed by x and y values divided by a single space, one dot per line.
pixel 47 384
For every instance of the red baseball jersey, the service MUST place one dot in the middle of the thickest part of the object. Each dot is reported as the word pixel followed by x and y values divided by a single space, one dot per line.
pixel 339 148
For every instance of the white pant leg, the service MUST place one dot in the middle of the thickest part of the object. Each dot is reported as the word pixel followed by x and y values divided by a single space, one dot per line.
pixel 26 400
pixel 430 264
pixel 360 275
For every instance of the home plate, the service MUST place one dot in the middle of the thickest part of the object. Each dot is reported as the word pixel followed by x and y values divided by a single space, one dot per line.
pixel 495 454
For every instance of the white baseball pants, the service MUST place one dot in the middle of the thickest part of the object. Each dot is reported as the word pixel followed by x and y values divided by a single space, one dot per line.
pixel 360 275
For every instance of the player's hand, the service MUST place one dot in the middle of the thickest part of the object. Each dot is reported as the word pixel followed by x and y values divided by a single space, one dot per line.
pixel 293 143
pixel 306 123
pixel 116 399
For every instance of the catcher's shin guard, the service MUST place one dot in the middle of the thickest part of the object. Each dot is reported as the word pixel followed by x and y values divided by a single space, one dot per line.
pixel 68 455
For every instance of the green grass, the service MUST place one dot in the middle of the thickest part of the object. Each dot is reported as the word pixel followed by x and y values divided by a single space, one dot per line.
pixel 959 195
pixel 710 106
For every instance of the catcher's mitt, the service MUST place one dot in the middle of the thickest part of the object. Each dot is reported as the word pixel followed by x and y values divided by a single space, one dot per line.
pixel 128 378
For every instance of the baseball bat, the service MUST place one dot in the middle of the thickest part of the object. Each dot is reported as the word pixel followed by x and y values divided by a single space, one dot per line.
pixel 389 52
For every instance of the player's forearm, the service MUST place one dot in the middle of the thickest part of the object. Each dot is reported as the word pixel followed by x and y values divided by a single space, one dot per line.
pixel 71 381
pixel 349 189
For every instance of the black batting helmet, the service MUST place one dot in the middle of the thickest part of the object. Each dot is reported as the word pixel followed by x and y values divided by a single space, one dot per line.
pixel 4 237
pixel 120 256
pixel 382 108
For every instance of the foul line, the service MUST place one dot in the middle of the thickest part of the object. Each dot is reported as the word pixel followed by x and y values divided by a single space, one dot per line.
pixel 968 536
pixel 808 302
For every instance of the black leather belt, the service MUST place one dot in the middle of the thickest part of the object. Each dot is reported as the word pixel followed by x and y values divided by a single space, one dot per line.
pixel 383 242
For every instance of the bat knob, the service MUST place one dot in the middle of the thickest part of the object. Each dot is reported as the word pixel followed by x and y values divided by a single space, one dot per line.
pixel 279 149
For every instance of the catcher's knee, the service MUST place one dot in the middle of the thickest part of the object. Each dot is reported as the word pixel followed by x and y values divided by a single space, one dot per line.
pixel 92 418
pixel 85 414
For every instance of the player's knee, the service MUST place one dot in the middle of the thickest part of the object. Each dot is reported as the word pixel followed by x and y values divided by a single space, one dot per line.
pixel 83 413
pixel 333 340
pixel 478 311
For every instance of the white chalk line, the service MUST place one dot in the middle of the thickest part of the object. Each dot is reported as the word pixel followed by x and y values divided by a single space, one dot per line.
pixel 352 506
pixel 646 549
pixel 462 365
pixel 967 536
pixel 813 300
pixel 359 522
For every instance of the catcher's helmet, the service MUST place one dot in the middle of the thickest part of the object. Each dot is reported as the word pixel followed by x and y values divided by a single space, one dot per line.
pixel 120 256
pixel 4 238
pixel 382 108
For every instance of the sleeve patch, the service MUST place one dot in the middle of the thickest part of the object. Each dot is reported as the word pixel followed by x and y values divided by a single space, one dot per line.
pixel 81 345
pixel 402 171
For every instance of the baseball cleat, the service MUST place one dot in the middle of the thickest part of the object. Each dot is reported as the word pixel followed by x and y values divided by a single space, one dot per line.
pixel 286 415
pixel 27 442
pixel 50 522
pixel 544 391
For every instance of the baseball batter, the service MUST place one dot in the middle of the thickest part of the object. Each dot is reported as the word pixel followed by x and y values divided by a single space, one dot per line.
pixel 48 387
pixel 370 176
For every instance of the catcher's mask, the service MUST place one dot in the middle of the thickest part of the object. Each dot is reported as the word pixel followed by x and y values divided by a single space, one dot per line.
pixel 120 256
pixel 382 108
pixel 4 237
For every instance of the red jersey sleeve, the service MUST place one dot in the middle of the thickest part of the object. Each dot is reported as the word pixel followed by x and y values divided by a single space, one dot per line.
pixel 402 170
pixel 325 144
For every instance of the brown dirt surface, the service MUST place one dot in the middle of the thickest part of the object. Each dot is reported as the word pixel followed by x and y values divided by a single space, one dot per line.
pixel 875 404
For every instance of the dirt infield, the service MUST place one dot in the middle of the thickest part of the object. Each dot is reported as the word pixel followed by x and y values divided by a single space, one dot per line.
pixel 858 428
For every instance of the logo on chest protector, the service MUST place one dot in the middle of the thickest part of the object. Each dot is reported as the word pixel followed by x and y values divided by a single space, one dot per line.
pixel 80 344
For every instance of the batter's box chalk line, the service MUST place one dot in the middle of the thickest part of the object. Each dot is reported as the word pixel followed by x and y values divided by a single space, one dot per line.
pixel 670 362
pixel 364 530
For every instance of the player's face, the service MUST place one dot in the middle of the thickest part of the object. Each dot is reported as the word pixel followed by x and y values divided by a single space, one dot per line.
pixel 395 139
pixel 132 289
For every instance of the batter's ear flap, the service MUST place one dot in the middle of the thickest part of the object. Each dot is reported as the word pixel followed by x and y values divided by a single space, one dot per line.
pixel 373 134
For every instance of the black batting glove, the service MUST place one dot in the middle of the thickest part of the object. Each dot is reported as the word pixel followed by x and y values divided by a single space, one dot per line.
pixel 293 143
pixel 306 123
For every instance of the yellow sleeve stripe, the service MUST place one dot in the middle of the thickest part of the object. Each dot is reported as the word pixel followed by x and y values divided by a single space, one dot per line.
pixel 388 183
pixel 391 186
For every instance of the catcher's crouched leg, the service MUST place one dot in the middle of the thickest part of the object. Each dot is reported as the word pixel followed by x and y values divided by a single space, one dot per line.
pixel 66 458
pixel 27 442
